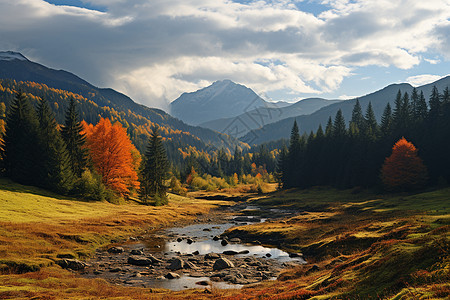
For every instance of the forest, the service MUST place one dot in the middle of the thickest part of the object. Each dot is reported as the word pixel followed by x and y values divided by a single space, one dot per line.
pixel 100 161
pixel 352 156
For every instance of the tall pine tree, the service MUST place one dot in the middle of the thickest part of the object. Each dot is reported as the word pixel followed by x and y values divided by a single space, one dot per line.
pixel 155 170
pixel 54 163
pixel 20 140
pixel 75 140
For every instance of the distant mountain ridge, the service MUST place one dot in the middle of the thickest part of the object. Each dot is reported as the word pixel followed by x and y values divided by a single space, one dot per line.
pixel 222 99
pixel 307 123
pixel 240 125
pixel 15 66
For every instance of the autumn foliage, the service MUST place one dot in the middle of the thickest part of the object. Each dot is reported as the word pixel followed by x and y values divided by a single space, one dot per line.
pixel 404 169
pixel 114 156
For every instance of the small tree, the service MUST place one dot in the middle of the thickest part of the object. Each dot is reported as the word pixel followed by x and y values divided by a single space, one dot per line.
pixel 155 170
pixel 404 169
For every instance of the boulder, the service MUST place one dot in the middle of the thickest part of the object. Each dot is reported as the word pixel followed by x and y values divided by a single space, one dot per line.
pixel 244 252
pixel 73 264
pixel 230 252
pixel 222 263
pixel 196 253
pixel 116 250
pixel 216 238
pixel 137 252
pixel 212 256
pixel 177 264
pixel 139 260
pixel 172 275
pixel 292 255
pixel 224 242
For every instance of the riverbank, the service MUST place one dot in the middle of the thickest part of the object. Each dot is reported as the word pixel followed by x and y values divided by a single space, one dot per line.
pixel 359 245
pixel 38 229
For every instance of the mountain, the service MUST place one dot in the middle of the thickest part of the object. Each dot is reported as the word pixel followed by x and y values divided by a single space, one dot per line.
pixel 308 123
pixel 17 72
pixel 222 99
pixel 256 118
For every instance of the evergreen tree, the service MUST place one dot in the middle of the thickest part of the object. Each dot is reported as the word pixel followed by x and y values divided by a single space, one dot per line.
pixel 357 122
pixel 75 140
pixel 435 107
pixel 414 104
pixel 386 121
pixel 421 111
pixel 155 170
pixel 371 122
pixel 294 156
pixel 339 129
pixel 54 163
pixel 329 128
pixel 20 140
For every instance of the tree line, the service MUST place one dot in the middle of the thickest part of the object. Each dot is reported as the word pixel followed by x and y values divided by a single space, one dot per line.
pixel 93 161
pixel 349 156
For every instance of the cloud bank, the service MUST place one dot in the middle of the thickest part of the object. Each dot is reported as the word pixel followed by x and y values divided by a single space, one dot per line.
pixel 153 50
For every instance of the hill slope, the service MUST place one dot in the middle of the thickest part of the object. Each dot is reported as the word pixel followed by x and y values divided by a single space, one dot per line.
pixel 18 72
pixel 379 99
pixel 222 99
pixel 256 118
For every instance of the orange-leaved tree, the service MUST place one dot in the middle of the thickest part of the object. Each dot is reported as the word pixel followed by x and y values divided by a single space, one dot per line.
pixel 113 155
pixel 404 169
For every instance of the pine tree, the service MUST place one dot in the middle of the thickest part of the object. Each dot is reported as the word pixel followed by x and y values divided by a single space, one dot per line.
pixel 329 128
pixel 20 140
pixel 294 156
pixel 155 170
pixel 339 129
pixel 421 111
pixel 54 163
pixel 414 104
pixel 357 122
pixel 386 121
pixel 75 140
pixel 371 122
pixel 282 163
pixel 435 106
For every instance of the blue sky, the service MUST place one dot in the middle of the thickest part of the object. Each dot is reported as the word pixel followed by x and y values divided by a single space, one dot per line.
pixel 153 50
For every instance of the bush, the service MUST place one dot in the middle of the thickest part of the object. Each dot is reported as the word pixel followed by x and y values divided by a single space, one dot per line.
pixel 176 187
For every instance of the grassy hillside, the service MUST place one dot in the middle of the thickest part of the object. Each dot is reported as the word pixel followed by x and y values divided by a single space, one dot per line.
pixel 359 245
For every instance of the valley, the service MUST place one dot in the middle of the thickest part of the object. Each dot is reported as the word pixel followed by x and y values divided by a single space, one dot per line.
pixel 349 240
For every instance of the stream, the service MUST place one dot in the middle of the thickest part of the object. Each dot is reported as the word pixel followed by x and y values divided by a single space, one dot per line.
pixel 187 257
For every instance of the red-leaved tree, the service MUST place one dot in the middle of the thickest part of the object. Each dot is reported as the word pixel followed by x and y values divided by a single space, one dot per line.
pixel 404 169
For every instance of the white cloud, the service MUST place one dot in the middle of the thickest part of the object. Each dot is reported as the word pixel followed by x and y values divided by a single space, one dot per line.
pixel 155 49
pixel 419 80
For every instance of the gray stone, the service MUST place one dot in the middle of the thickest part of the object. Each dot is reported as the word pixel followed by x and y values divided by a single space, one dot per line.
pixel 177 264
pixel 115 250
pixel 222 263
pixel 137 252
pixel 212 256
pixel 172 275
pixel 139 261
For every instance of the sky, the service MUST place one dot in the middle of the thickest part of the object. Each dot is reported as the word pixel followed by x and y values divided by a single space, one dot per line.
pixel 154 50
